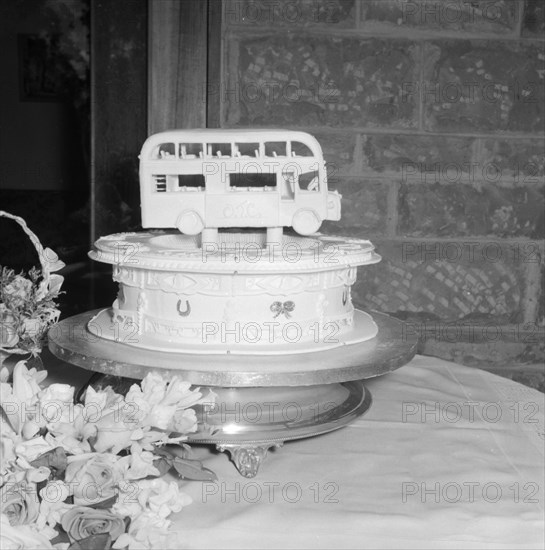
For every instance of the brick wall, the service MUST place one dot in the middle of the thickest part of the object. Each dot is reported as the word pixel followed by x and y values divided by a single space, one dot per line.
pixel 431 117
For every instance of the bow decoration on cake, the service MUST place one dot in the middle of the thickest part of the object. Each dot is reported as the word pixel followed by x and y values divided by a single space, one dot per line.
pixel 280 308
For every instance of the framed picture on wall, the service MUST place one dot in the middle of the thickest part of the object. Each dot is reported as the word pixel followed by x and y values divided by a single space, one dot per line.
pixel 39 68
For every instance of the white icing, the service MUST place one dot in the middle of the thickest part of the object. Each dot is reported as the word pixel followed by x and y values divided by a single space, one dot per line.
pixel 231 303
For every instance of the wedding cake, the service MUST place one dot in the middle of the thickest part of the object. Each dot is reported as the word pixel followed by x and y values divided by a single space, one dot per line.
pixel 215 272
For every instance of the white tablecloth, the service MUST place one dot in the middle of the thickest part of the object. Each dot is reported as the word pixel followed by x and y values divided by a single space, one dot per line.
pixel 446 457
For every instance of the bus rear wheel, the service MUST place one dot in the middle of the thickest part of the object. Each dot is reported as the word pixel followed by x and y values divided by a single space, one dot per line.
pixel 306 222
pixel 189 223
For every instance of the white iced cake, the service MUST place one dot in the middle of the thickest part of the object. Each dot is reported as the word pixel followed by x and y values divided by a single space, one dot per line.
pixel 201 288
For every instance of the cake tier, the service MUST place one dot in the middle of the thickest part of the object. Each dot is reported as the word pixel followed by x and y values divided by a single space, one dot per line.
pixel 234 296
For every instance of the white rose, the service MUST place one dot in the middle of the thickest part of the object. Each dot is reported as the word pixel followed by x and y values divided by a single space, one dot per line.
pixel 94 477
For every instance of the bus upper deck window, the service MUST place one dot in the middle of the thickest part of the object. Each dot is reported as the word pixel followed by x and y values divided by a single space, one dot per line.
pixel 299 149
pixel 275 149
pixel 246 150
pixel 164 151
pixel 220 150
pixel 191 150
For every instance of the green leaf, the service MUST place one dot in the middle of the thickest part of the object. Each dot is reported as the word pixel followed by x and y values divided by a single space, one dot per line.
pixel 55 460
pixel 105 504
pixel 94 542
pixel 193 470
pixel 163 464
pixel 172 451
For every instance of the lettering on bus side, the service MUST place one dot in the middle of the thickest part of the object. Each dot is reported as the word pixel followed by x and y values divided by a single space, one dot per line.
pixel 242 210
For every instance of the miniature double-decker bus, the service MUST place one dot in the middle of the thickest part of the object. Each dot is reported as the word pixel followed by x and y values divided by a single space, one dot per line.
pixel 202 180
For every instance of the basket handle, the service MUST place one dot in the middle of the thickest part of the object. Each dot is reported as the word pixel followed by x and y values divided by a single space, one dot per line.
pixel 49 261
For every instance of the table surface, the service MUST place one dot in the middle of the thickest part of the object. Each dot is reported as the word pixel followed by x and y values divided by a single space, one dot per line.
pixel 446 457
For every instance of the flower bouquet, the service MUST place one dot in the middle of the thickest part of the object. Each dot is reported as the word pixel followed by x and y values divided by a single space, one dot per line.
pixel 89 474
pixel 27 301
pixel 93 475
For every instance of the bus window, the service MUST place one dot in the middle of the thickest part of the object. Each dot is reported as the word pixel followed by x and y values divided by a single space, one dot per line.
pixel 299 149
pixel 252 182
pixel 246 150
pixel 191 182
pixel 309 181
pixel 275 149
pixel 160 183
pixel 288 185
pixel 191 150
pixel 219 150
pixel 164 151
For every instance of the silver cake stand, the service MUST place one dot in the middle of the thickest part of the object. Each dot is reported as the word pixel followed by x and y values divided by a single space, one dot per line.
pixel 262 400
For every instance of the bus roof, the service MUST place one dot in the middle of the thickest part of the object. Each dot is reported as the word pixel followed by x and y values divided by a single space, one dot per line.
pixel 225 135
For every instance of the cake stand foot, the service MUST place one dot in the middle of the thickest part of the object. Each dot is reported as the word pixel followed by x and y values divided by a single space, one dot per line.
pixel 248 458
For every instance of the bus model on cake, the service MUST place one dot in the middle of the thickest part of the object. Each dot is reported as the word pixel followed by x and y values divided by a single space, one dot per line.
pixel 201 180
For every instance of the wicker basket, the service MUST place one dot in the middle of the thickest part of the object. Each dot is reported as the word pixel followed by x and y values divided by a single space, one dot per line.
pixel 49 263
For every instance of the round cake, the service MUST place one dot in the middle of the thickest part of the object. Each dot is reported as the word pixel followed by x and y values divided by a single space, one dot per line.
pixel 238 296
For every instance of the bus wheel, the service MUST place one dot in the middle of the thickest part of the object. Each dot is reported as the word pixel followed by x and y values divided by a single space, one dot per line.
pixel 306 222
pixel 189 223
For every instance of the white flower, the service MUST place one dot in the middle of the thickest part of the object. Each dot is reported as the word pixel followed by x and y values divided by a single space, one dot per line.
pixel 8 328
pixel 26 383
pixel 168 499
pixel 161 405
pixel 4 374
pixel 18 400
pixel 155 497
pixel 99 401
pixel 71 428
pixel 139 464
pixel 32 327
pixel 21 537
pixel 18 291
pixel 162 498
pixel 53 506
pixel 153 387
pixel 55 283
pixel 53 262
pixel 147 532
pixel 185 421
pixel 61 394
pixel 8 440
pixel 30 450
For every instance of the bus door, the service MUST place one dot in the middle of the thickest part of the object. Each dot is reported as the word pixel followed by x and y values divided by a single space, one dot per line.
pixel 310 188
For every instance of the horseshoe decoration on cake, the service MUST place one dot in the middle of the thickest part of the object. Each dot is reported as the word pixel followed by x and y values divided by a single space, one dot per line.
pixel 187 310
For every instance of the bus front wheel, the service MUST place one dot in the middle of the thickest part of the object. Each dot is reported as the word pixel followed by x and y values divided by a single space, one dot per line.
pixel 306 222
pixel 189 223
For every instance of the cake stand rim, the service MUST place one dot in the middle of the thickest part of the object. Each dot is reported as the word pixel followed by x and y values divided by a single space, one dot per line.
pixel 389 350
